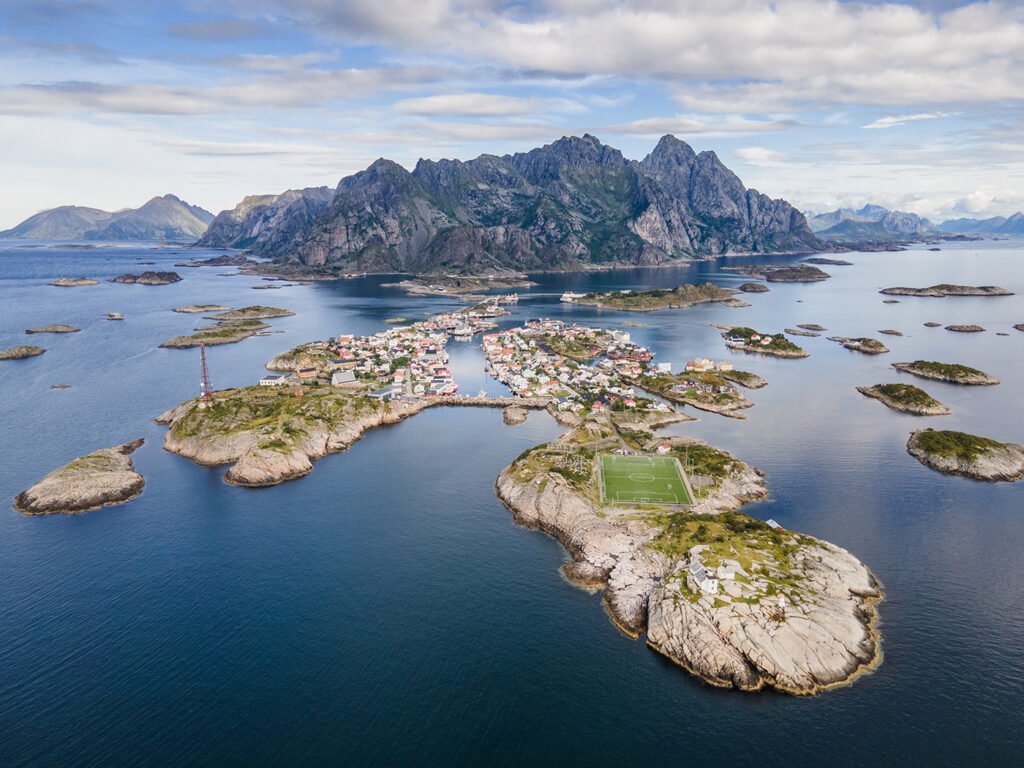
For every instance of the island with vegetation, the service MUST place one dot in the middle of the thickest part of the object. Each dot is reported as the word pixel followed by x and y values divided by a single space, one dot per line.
pixel 257 312
pixel 753 288
pixel 53 328
pixel 686 295
pixel 861 344
pixel 148 278
pixel 101 479
pixel 965 328
pixel 906 398
pixel 958 453
pixel 21 352
pixel 227 260
pixel 198 309
pixel 801 332
pixel 230 326
pixel 734 601
pixel 750 340
pixel 946 289
pixel 783 273
pixel 828 262
pixel 953 373
pixel 705 390
pixel 744 378
pixel 457 285
pixel 74 282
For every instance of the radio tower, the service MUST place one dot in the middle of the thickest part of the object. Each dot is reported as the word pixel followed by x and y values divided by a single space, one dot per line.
pixel 205 388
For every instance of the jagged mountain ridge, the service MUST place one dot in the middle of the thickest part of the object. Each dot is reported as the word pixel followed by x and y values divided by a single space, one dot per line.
pixel 161 218
pixel 997 225
pixel 268 223
pixel 572 203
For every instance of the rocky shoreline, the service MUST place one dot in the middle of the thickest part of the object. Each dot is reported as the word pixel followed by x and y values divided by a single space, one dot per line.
pixel 862 344
pixel 148 278
pixel 681 297
pixel 73 282
pixel 825 636
pixel 957 453
pixel 101 479
pixel 946 289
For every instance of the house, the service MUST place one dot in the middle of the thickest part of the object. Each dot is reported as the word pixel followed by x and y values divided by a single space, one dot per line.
pixel 700 365
pixel 306 373
pixel 342 377
pixel 772 524
pixel 386 393
pixel 664 367
pixel 275 380
pixel 706 581
pixel 663 449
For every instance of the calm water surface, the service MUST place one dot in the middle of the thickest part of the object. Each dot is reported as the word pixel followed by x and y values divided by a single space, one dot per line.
pixel 385 610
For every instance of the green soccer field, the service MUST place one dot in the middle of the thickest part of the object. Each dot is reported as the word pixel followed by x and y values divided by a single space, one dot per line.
pixel 642 480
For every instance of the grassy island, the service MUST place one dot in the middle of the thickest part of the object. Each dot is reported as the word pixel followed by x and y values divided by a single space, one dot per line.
pixel 706 391
pixel 958 453
pixel 227 332
pixel 686 295
pixel 21 352
pixel 953 373
pixel 862 344
pixel 256 312
pixel 906 398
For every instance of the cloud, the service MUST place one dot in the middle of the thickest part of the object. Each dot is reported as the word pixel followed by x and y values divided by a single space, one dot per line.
pixel 483 105
pixel 219 30
pixel 696 124
pixel 894 120
pixel 761 156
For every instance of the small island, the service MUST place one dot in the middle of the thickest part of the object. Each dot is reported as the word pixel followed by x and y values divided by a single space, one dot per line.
pixel 743 378
pixel 73 282
pixel 782 273
pixel 949 372
pixel 456 285
pixel 686 295
pixel 21 352
pixel 932 324
pixel 958 453
pixel 706 390
pixel 225 332
pixel 255 312
pixel 965 328
pixel 750 340
pixel 753 288
pixel 828 262
pixel 801 332
pixel 946 289
pixel 53 328
pixel 227 260
pixel 891 332
pixel 148 278
pixel 906 398
pixel 861 344
pixel 101 479
pixel 1019 326
pixel 197 309
pixel 812 327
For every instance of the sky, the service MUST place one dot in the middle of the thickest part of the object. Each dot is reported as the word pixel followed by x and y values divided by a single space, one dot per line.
pixel 914 105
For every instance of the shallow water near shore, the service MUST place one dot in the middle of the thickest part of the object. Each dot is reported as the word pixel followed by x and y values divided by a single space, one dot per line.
pixel 385 610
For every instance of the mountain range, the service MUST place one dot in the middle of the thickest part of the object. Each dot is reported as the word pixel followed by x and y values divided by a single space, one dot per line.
pixel 872 222
pixel 573 203
pixel 162 218
pixel 998 225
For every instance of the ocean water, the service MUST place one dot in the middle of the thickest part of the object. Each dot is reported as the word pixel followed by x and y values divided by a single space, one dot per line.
pixel 385 610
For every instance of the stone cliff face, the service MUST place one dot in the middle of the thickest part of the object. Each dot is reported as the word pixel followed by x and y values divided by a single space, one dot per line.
pixel 573 203
pixel 268 223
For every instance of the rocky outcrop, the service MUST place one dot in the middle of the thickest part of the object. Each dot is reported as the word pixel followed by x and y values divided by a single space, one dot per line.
pixel 73 282
pixel 783 273
pixel 946 289
pixel 101 479
pixel 957 453
pixel 970 328
pixel 20 352
pixel 754 288
pixel 825 639
pixel 514 415
pixel 268 224
pixel 227 260
pixel 197 309
pixel 53 328
pixel 571 204
pixel 950 372
pixel 148 278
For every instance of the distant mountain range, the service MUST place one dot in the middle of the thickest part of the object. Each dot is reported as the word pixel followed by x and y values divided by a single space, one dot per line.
pixel 162 218
pixel 999 225
pixel 873 223
pixel 571 204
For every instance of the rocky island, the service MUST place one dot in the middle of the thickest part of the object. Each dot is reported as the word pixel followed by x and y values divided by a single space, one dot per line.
pixel 101 479
pixel 230 326
pixel 197 309
pixel 53 328
pixel 256 312
pixel 906 398
pixel 753 288
pixel 783 273
pixel 958 453
pixel 949 372
pixel 946 289
pixel 20 352
pixel 828 262
pixel 732 600
pixel 73 282
pixel 227 260
pixel 750 340
pixel 148 278
pixel 743 378
pixel 686 295
pixel 971 328
pixel 456 285
pixel 801 332
pixel 706 391
pixel 861 344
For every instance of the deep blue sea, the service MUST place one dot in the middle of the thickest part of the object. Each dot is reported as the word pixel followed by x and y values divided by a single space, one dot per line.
pixel 386 611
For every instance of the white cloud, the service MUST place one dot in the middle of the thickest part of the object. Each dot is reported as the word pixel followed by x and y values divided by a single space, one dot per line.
pixel 894 120
pixel 683 125
pixel 761 156
pixel 483 105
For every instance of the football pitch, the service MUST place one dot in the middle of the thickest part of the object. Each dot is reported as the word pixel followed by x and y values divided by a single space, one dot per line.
pixel 642 480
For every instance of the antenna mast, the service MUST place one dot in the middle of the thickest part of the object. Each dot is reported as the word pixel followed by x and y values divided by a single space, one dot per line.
pixel 205 388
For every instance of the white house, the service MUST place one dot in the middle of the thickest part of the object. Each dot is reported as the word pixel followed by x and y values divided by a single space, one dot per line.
pixel 343 377
pixel 705 580
pixel 275 380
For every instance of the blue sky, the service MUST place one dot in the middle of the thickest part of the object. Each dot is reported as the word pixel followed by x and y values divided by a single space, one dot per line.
pixel 913 105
